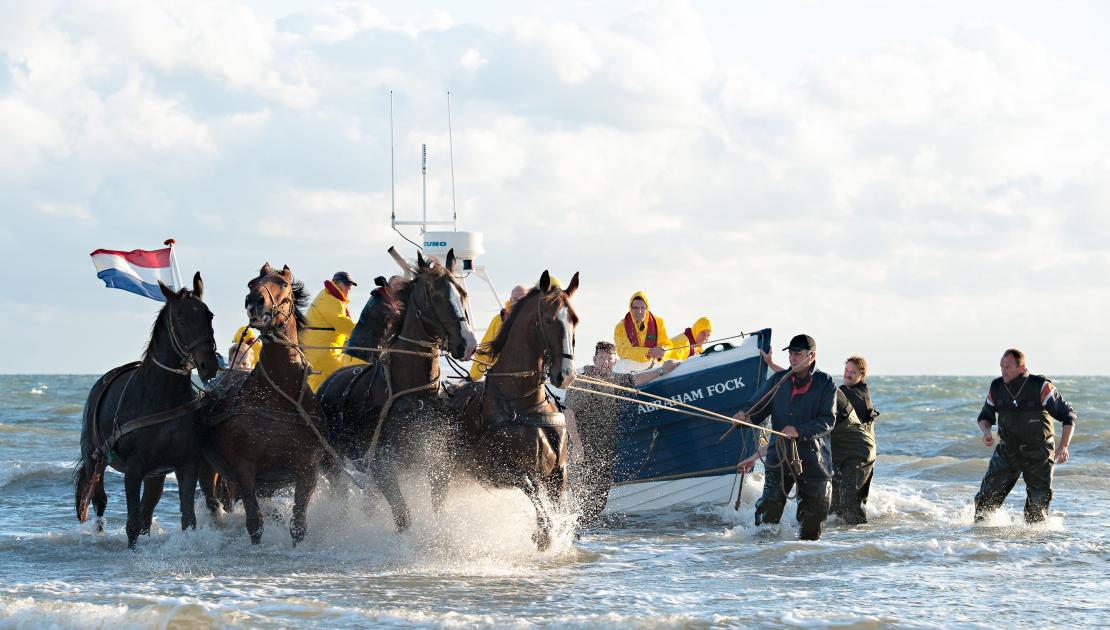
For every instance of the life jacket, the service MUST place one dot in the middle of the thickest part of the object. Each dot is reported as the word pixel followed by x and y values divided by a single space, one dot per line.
pixel 1023 420
pixel 651 339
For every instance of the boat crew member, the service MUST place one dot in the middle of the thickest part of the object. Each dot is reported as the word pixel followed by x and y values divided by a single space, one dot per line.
pixel 592 423
pixel 1024 405
pixel 251 340
pixel 327 323
pixel 382 308
pixel 641 337
pixel 483 361
pixel 804 409
pixel 853 444
pixel 689 343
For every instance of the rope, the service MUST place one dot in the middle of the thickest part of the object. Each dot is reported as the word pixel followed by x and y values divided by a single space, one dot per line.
pixel 703 413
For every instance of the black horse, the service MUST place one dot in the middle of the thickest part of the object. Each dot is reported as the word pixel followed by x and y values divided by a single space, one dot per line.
pixel 389 415
pixel 141 418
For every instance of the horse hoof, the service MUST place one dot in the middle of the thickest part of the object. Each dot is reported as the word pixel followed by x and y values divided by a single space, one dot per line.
pixel 542 538
pixel 131 542
pixel 100 524
pixel 297 534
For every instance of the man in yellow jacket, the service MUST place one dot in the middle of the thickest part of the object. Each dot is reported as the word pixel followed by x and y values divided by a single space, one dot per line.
pixel 328 323
pixel 689 343
pixel 641 337
pixel 477 369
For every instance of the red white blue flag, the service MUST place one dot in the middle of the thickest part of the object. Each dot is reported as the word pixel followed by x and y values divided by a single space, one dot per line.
pixel 137 271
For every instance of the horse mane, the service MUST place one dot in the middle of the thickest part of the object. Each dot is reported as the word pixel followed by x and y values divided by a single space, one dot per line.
pixel 494 348
pixel 300 303
pixel 158 329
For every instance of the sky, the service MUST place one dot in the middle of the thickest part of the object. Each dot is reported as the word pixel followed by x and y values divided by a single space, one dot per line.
pixel 923 183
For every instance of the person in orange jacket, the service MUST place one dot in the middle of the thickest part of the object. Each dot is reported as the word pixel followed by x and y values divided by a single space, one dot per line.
pixel 641 337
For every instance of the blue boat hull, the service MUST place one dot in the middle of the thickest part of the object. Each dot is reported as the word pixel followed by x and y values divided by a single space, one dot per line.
pixel 664 457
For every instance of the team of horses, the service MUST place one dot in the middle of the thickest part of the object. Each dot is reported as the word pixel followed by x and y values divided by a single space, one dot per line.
pixel 249 435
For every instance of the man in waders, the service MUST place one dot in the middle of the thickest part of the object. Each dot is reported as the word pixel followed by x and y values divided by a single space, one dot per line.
pixel 593 422
pixel 1024 405
pixel 803 407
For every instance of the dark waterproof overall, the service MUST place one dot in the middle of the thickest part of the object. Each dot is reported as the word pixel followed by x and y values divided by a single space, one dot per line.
pixel 1025 445
pixel 853 452
pixel 810 411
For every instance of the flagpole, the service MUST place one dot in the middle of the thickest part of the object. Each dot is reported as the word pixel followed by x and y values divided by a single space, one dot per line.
pixel 173 265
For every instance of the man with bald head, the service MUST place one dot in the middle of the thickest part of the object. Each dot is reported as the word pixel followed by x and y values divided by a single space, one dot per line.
pixel 482 361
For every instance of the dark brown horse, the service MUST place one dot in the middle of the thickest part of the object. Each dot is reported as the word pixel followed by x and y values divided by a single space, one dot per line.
pixel 390 415
pixel 267 433
pixel 515 435
pixel 141 418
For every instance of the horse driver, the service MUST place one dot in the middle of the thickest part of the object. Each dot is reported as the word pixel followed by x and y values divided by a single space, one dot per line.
pixel 327 324
pixel 1025 405
pixel 382 308
pixel 803 408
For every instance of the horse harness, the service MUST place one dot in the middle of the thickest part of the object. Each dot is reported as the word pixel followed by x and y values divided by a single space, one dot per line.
pixel 105 446
pixel 505 415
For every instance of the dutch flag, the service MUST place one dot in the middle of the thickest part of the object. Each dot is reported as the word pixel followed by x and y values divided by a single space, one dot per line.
pixel 138 270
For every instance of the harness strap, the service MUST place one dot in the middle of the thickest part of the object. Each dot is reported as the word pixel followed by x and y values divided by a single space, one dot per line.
pixel 148 421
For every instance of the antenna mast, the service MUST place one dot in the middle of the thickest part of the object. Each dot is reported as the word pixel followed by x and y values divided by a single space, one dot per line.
pixel 451 150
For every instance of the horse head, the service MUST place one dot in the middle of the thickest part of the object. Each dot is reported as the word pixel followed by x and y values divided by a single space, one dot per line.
pixel 555 321
pixel 274 301
pixel 439 301
pixel 188 323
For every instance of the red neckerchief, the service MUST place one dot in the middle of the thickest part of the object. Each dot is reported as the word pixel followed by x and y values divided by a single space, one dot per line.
pixel 651 339
pixel 798 391
pixel 693 342
pixel 337 294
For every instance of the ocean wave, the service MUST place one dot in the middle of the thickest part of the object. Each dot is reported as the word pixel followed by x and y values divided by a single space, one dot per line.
pixel 15 473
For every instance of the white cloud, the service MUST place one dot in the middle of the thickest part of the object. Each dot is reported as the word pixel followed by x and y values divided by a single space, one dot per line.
pixel 887 201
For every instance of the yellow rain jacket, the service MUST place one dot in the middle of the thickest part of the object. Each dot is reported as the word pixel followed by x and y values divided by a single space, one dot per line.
pixel 478 370
pixel 639 351
pixel 327 323
pixel 250 338
pixel 684 346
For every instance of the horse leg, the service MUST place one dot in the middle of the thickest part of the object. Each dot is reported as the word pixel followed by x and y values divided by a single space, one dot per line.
pixel 385 475
pixel 302 493
pixel 99 500
pixel 209 480
pixel 132 486
pixel 542 535
pixel 438 477
pixel 186 489
pixel 244 478
pixel 152 493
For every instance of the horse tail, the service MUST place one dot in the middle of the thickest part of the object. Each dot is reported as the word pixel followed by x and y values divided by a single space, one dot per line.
pixel 86 479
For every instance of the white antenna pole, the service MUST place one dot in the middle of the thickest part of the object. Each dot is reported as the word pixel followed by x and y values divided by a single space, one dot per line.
pixel 424 183
pixel 451 149
pixel 392 177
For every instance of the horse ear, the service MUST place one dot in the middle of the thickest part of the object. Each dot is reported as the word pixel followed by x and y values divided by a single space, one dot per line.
pixel 167 292
pixel 420 262
pixel 198 286
pixel 451 260
pixel 573 286
pixel 545 281
pixel 287 273
pixel 266 269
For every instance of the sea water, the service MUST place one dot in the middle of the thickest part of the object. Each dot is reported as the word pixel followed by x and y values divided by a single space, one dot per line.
pixel 919 562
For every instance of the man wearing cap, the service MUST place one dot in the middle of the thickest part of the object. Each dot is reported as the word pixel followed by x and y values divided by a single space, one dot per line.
pixel 1025 405
pixel 327 324
pixel 804 409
